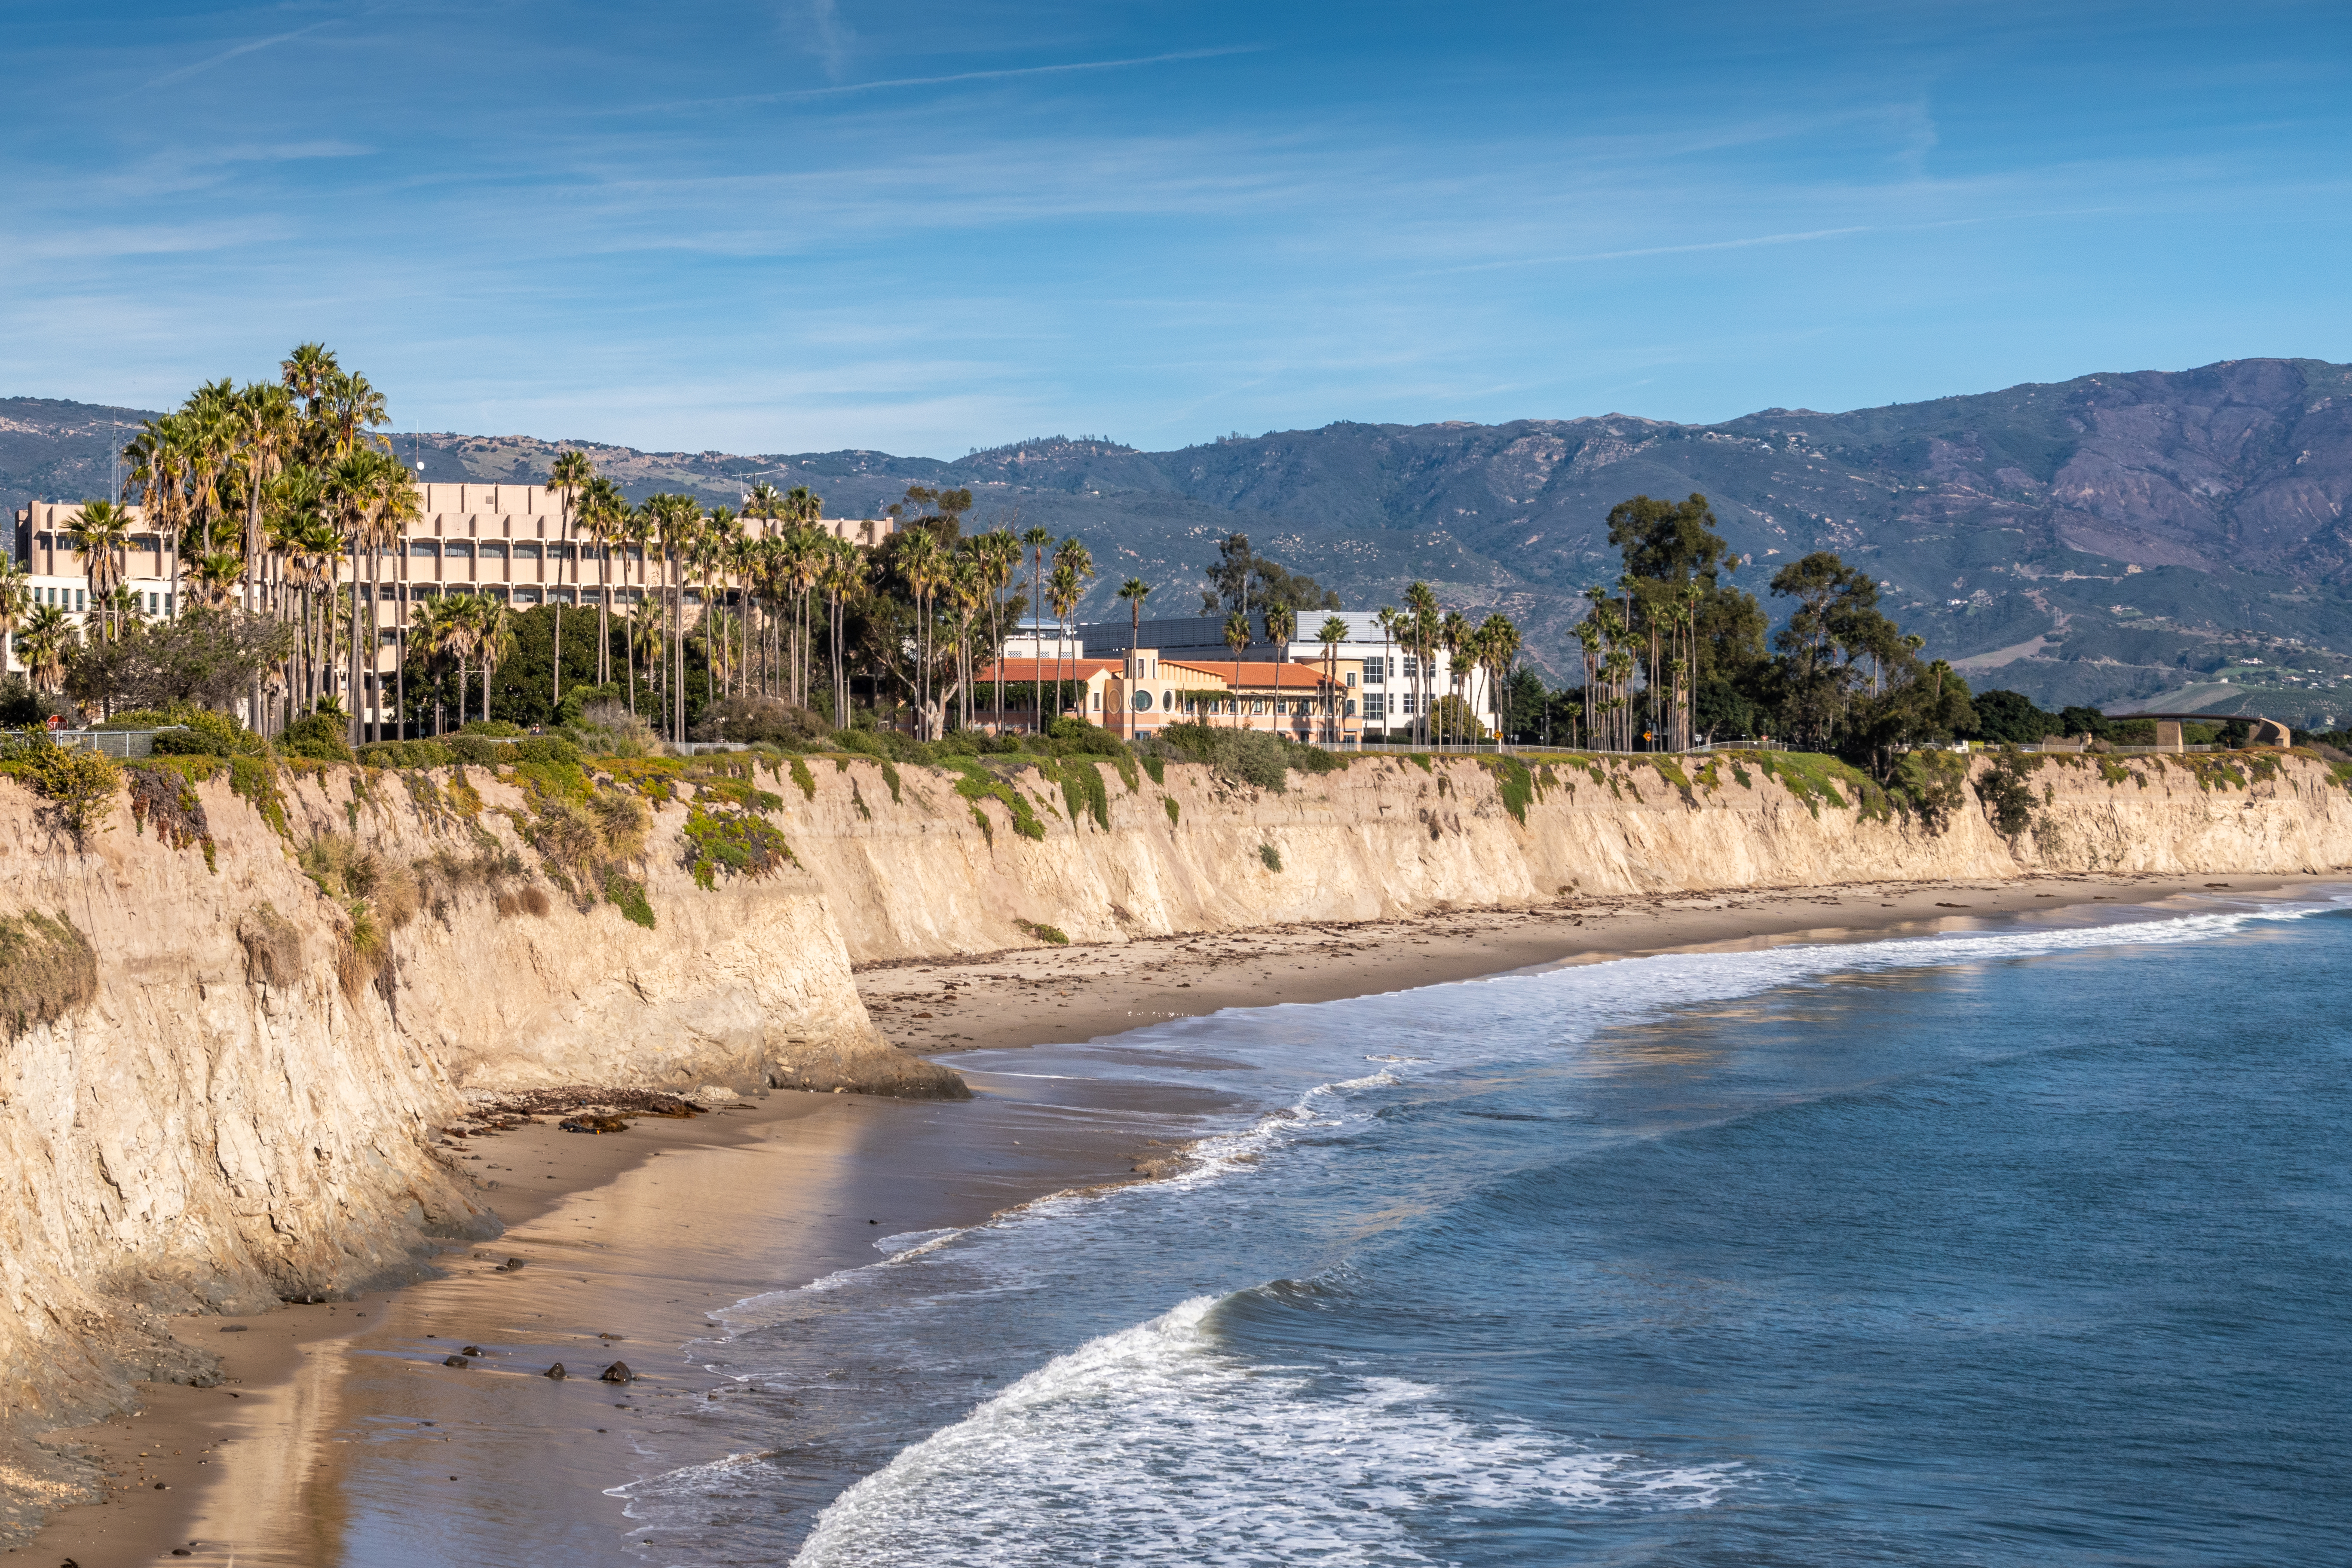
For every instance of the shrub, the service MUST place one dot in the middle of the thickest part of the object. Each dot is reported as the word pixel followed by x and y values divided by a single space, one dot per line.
pixel 498 729
pixel 761 721
pixel 1246 754
pixel 80 783
pixel 611 729
pixel 1270 857
pixel 316 736
pixel 545 749
pixel 2008 798
pixel 1085 739
pixel 406 755
pixel 479 750
pixel 204 732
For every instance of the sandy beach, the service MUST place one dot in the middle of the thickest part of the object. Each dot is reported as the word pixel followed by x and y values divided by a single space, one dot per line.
pixel 626 1241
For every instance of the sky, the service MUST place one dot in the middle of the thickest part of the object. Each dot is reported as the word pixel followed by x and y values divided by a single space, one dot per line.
pixel 924 227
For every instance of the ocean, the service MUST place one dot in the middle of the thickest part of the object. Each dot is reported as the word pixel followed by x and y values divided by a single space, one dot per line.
pixel 2023 1243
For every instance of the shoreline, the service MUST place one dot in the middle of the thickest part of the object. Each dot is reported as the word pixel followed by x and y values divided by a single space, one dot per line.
pixel 261 1444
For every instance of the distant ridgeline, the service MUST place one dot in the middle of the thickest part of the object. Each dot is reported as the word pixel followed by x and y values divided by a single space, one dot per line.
pixel 2172 541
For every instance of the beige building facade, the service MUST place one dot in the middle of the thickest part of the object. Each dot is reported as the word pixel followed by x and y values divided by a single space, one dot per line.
pixel 514 542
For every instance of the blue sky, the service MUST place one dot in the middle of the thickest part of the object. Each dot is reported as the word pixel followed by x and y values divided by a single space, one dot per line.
pixel 926 227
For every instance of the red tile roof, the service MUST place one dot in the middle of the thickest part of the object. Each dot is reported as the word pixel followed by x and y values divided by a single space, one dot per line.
pixel 1253 674
pixel 1032 671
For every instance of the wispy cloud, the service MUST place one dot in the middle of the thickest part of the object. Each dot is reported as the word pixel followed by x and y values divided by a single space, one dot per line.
pixel 248 46
pixel 1743 244
pixel 800 94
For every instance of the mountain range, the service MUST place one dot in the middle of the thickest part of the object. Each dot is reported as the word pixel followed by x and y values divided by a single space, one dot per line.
pixel 2152 539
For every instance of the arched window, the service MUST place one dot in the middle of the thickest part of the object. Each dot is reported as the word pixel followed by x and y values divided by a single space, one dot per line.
pixel 1143 702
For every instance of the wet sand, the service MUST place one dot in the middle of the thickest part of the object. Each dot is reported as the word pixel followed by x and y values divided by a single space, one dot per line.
pixel 341 1436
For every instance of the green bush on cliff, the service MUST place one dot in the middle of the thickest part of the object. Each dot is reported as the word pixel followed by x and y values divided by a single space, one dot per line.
pixel 318 737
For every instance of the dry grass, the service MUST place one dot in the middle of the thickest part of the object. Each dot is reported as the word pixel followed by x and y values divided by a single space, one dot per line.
pixel 48 968
pixel 273 947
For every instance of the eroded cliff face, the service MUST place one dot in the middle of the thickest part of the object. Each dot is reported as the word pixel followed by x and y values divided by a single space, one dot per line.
pixel 918 877
pixel 229 1095
pixel 239 1104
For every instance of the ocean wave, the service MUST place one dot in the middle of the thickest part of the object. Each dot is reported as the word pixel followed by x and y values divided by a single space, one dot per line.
pixel 1153 1445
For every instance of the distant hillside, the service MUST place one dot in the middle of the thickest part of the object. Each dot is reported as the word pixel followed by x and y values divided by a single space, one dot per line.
pixel 2115 539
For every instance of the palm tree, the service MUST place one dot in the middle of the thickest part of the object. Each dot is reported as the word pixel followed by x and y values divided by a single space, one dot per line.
pixel 1237 637
pixel 1421 626
pixel 1453 637
pixel 966 593
pixel 568 477
pixel 602 511
pixel 1498 644
pixel 1074 566
pixel 15 601
pixel 844 578
pixel 493 639
pixel 1135 589
pixel 397 506
pixel 1386 619
pixel 47 637
pixel 925 566
pixel 105 535
pixel 431 634
pixel 1000 555
pixel 1036 539
pixel 677 521
pixel 1331 633
pixel 636 527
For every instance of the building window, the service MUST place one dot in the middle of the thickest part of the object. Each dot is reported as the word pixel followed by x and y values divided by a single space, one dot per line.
pixel 1351 679
pixel 424 547
pixel 1097 701
pixel 1143 702
pixel 526 552
pixel 1351 708
pixel 459 549
pixel 1376 706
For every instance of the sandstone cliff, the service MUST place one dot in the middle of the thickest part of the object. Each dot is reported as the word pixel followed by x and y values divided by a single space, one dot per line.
pixel 237 1013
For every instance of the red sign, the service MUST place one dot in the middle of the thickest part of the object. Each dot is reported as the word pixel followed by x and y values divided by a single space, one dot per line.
pixel 55 720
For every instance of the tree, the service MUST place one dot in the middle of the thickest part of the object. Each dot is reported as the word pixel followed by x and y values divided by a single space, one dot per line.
pixel 47 640
pixel 1238 576
pixel 104 534
pixel 1834 627
pixel 15 601
pixel 1074 566
pixel 568 477
pixel 1237 637
pixel 207 658
pixel 1498 648
pixel 1331 633
pixel 1135 589
pixel 1036 539
pixel 2013 718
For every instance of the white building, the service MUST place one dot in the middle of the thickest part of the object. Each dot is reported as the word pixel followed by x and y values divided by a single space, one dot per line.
pixel 1395 689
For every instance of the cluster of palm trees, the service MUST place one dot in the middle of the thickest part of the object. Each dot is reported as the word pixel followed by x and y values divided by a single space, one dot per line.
pixel 256 492
pixel 959 586
pixel 1625 634
pixel 1421 630
pixel 472 630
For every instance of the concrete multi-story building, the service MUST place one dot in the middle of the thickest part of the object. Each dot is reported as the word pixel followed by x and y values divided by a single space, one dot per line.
pixel 514 542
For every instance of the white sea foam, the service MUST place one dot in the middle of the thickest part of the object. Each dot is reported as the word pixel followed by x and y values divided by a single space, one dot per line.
pixel 1152 1445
